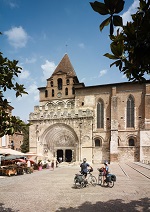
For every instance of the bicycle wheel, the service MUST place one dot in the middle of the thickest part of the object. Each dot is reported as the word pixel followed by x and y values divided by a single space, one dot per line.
pixel 78 184
pixel 93 180
pixel 99 180
pixel 110 184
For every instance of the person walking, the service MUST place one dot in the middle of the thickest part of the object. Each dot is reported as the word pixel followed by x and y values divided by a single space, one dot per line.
pixel 52 164
pixel 28 166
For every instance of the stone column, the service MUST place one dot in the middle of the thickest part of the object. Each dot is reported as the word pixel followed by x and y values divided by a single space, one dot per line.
pixel 114 127
pixel 145 132
pixel 64 158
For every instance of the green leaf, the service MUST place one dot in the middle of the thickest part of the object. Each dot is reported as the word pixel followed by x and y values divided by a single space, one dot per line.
pixel 119 6
pixel 117 48
pixel 117 20
pixel 114 6
pixel 117 63
pixel 111 56
pixel 99 7
pixel 105 23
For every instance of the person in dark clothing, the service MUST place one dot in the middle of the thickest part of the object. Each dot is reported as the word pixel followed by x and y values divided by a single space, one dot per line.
pixel 84 167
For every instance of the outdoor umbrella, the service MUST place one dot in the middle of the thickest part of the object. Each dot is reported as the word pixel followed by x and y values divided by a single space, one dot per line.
pixel 10 157
pixel 7 151
pixel 20 160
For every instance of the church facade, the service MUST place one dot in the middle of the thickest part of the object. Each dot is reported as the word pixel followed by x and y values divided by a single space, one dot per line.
pixel 105 122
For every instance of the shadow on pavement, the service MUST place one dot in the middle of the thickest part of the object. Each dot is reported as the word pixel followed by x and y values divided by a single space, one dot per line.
pixel 2 209
pixel 118 205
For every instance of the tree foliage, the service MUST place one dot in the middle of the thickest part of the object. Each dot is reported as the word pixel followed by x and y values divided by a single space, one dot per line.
pixel 25 145
pixel 8 72
pixel 130 46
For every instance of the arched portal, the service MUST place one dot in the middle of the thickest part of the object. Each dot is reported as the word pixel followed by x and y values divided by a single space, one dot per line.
pixel 61 141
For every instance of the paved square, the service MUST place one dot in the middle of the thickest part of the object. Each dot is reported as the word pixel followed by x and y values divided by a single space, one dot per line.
pixel 53 191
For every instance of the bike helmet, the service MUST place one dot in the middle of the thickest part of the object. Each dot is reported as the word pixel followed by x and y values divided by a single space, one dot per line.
pixel 106 162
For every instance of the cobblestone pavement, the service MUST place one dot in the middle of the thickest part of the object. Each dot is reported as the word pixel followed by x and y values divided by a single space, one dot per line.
pixel 54 191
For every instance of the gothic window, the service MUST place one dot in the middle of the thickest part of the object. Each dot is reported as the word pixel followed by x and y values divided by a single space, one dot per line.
pixel 100 114
pixel 66 91
pixel 51 83
pixel 59 83
pixel 67 81
pixel 73 90
pixel 130 112
pixel 98 142
pixel 52 92
pixel 131 142
pixel 46 93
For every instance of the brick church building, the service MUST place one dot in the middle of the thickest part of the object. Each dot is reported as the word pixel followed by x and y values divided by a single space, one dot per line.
pixel 104 122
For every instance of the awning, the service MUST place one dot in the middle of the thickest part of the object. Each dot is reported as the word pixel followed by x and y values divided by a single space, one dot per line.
pixel 11 157
pixel 30 154
pixel 8 151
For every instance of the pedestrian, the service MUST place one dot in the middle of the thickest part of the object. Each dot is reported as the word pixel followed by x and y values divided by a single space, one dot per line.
pixel 28 166
pixel 57 163
pixel 52 164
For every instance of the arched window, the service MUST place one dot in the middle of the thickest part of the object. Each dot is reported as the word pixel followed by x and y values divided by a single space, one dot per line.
pixel 98 142
pixel 131 142
pixel 66 91
pixel 100 114
pixel 67 81
pixel 73 90
pixel 59 84
pixel 52 92
pixel 51 83
pixel 46 93
pixel 130 112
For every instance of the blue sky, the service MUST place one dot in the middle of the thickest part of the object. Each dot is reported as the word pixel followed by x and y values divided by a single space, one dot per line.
pixel 39 33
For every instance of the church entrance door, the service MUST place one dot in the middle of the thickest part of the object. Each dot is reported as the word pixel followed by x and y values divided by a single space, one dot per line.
pixel 60 155
pixel 68 155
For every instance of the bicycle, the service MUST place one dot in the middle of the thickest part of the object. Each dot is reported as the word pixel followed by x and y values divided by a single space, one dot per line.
pixel 110 179
pixel 81 182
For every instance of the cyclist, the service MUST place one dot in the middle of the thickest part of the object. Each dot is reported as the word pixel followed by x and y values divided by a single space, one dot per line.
pixel 84 168
pixel 105 171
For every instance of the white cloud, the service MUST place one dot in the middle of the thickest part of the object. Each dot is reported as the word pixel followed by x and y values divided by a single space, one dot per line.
pixel 31 60
pixel 33 90
pixel 17 37
pixel 102 72
pixel 48 69
pixel 12 4
pixel 24 74
pixel 127 15
pixel 132 9
pixel 81 45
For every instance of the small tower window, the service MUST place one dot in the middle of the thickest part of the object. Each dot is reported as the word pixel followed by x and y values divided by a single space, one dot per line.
pixel 52 92
pixel 59 83
pixel 67 81
pixel 73 90
pixel 66 91
pixel 51 83
pixel 46 93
